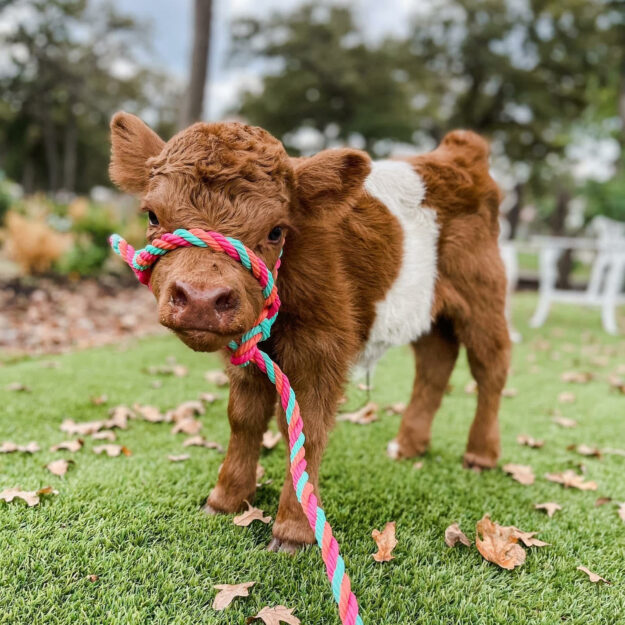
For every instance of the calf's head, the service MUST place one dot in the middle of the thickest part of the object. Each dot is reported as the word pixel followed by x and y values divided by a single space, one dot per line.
pixel 236 180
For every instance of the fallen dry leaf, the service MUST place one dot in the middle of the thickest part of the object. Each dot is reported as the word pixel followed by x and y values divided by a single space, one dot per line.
pixel 69 426
pixel 260 471
pixel 471 387
pixel 31 497
pixel 74 445
pixel 208 398
pixel 566 398
pixel 186 410
pixel 621 511
pixel 17 387
pixel 617 383
pixel 364 416
pixel 93 578
pixel 499 544
pixel 396 408
pixel 564 422
pixel 522 473
pixel 200 441
pixel 228 592
pixel 119 416
pixel 527 538
pixel 98 400
pixel 570 479
pixel 112 450
pixel 58 467
pixel 528 441
pixel 549 507
pixel 178 371
pixel 386 542
pixel 594 578
pixel 577 377
pixel 364 387
pixel 104 435
pixel 601 501
pixel 187 426
pixel 8 447
pixel 271 439
pixel 180 458
pixel 275 616
pixel 149 413
pixel 454 535
pixel 218 378
pixel 509 392
pixel 585 450
pixel 250 515
pixel 418 465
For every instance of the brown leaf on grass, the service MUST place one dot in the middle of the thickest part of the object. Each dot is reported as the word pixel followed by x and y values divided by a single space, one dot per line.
pixel 621 511
pixel 186 410
pixel 93 578
pixel 454 535
pixel 617 383
pixel 260 471
pixel 112 450
pixel 563 422
pixel 509 392
pixel 418 465
pixel 104 435
pixel 149 413
pixel 271 439
pixel 471 387
pixel 208 398
pixel 31 497
pixel 527 538
pixel 364 416
pixel 228 592
pixel 250 515
pixel 180 458
pixel 188 425
pixel 17 387
pixel 178 371
pixel 69 426
pixel 566 398
pixel 594 578
pixel 275 616
pixel 522 473
pixel 585 450
pixel 200 441
pixel 386 542
pixel 217 377
pixel 396 408
pixel 601 501
pixel 577 377
pixel 119 416
pixel 528 441
pixel 549 507
pixel 98 400
pixel 570 479
pixel 9 447
pixel 74 445
pixel 364 387
pixel 59 467
pixel 499 544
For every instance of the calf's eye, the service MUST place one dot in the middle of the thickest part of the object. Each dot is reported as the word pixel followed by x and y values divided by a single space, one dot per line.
pixel 152 218
pixel 275 235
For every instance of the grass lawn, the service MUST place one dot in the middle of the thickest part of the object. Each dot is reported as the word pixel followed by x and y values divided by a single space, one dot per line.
pixel 135 522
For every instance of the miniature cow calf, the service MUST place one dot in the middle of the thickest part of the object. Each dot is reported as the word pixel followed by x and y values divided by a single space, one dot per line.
pixel 375 254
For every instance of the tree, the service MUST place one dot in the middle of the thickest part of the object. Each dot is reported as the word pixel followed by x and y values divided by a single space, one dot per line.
pixel 194 101
pixel 70 67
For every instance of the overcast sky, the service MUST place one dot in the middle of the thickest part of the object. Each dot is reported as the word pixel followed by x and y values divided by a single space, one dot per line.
pixel 171 23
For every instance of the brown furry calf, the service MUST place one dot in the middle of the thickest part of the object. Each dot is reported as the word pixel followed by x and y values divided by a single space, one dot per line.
pixel 375 254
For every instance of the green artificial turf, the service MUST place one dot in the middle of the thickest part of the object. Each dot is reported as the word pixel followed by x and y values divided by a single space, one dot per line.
pixel 135 522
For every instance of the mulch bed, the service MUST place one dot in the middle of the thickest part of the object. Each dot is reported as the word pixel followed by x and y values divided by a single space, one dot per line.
pixel 48 316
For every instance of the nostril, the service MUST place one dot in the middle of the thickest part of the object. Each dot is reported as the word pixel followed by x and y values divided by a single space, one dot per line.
pixel 178 296
pixel 225 300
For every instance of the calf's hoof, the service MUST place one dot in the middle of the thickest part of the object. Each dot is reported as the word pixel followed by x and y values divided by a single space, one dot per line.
pixel 400 449
pixel 284 546
pixel 218 502
pixel 478 461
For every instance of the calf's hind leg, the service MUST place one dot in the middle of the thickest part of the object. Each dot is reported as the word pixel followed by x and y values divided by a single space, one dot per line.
pixel 436 355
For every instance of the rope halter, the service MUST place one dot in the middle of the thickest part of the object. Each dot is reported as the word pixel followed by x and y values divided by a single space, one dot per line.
pixel 245 351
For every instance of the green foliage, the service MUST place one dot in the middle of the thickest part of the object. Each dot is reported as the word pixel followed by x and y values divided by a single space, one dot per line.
pixel 606 198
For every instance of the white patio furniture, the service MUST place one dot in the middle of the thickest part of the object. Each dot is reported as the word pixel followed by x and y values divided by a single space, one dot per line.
pixel 605 287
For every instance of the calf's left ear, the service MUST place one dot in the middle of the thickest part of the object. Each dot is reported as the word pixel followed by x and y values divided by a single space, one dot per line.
pixel 132 144
pixel 330 180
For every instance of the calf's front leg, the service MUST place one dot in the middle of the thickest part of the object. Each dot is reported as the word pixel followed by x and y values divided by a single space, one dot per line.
pixel 250 407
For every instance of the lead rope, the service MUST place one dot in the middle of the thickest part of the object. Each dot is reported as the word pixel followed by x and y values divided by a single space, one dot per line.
pixel 242 353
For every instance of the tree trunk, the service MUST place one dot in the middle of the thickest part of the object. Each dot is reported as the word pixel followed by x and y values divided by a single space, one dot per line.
pixel 558 222
pixel 69 154
pixel 50 147
pixel 194 101
pixel 514 214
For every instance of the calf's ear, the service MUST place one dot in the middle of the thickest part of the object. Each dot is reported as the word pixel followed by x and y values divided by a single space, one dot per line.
pixel 331 180
pixel 132 144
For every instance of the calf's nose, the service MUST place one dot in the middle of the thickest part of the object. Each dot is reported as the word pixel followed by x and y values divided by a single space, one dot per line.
pixel 196 308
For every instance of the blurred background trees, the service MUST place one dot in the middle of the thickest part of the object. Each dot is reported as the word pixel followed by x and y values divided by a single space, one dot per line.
pixel 544 80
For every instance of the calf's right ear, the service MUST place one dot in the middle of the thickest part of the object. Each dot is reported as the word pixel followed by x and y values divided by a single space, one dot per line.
pixel 132 144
